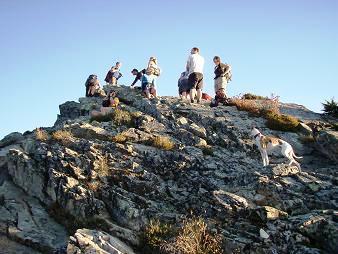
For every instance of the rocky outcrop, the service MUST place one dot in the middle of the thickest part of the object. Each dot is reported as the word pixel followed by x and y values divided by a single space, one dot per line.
pixel 327 142
pixel 107 181
pixel 87 241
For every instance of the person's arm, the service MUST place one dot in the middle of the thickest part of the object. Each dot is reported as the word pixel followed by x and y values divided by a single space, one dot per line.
pixel 188 64
pixel 135 80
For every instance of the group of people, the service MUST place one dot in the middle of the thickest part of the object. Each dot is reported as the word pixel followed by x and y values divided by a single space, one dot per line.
pixel 190 83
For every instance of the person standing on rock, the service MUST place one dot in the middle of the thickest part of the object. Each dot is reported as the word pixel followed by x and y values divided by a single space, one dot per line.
pixel 222 77
pixel 195 65
pixel 113 74
pixel 149 78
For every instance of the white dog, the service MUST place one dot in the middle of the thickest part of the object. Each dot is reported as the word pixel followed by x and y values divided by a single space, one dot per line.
pixel 268 144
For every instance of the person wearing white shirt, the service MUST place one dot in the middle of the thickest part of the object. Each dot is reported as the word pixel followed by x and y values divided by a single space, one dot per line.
pixel 194 68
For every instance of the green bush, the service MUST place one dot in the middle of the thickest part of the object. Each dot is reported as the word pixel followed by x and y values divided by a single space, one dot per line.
pixel 331 108
pixel 208 150
pixel 118 116
pixel 281 122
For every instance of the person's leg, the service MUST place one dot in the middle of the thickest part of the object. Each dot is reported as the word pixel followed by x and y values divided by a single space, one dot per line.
pixel 192 81
pixel 199 95
pixel 113 81
pixel 199 87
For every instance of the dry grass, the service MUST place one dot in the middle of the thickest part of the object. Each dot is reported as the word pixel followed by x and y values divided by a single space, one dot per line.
pixel 120 138
pixel 195 238
pixel 162 142
pixel 192 237
pixel 119 117
pixel 256 107
pixel 94 185
pixel 41 134
pixel 156 234
pixel 63 136
pixel 101 166
pixel 269 109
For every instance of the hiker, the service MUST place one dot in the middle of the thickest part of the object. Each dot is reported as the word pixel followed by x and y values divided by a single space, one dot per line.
pixel 110 103
pixel 149 79
pixel 93 88
pixel 194 68
pixel 183 86
pixel 138 76
pixel 113 74
pixel 222 77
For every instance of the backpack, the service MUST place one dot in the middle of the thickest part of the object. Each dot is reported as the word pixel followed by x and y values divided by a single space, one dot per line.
pixel 229 74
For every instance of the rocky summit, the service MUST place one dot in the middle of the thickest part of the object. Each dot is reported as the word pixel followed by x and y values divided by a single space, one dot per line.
pixel 95 185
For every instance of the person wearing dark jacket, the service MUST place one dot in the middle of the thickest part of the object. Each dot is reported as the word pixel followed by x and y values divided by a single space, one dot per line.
pixel 138 76
pixel 222 77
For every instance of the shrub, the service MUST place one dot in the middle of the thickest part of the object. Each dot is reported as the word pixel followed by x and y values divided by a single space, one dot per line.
pixel 162 142
pixel 101 166
pixel 41 134
pixel 118 116
pixel 156 234
pixel 62 136
pixel 195 238
pixel 208 150
pixel 122 117
pixel 94 185
pixel 120 138
pixel 281 122
pixel 250 96
pixel 331 108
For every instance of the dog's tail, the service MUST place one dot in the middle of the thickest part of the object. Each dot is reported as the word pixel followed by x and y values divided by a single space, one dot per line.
pixel 294 156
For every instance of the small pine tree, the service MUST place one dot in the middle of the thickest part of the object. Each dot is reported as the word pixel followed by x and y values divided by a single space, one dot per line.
pixel 331 108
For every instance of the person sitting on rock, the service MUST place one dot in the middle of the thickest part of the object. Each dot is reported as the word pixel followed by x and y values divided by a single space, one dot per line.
pixel 138 76
pixel 113 74
pixel 222 77
pixel 110 103
pixel 149 78
pixel 183 86
pixel 93 88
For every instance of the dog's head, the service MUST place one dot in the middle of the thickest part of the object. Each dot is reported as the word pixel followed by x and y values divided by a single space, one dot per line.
pixel 254 132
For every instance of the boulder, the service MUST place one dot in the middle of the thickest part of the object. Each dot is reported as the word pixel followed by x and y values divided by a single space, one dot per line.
pixel 87 241
pixel 327 143
pixel 267 213
pixel 10 139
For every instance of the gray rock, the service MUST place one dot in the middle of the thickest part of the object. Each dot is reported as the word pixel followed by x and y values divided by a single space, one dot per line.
pixel 10 139
pixel 327 144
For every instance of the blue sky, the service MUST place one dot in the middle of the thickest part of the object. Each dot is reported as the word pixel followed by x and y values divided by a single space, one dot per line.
pixel 48 48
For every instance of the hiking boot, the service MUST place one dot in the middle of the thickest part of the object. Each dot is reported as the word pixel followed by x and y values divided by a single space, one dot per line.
pixel 192 101
pixel 198 101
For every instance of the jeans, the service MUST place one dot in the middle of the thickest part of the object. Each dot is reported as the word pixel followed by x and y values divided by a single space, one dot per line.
pixel 148 80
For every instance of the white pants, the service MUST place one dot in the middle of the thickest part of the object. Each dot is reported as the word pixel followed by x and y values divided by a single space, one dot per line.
pixel 220 83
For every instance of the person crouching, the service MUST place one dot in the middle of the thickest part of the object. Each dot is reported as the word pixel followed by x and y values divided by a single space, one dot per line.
pixel 183 86
pixel 109 104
